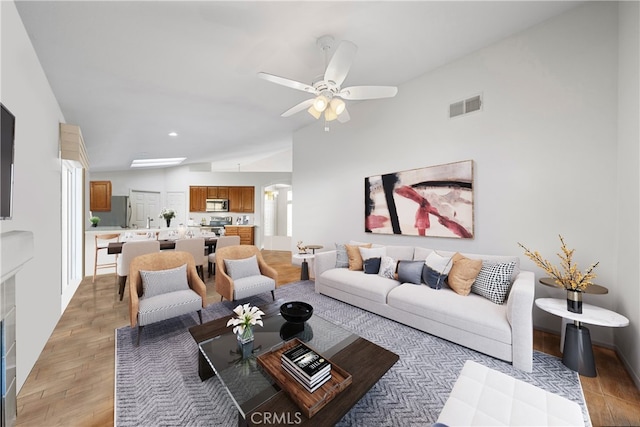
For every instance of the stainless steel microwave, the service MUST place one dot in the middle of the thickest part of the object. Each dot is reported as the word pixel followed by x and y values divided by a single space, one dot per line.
pixel 217 205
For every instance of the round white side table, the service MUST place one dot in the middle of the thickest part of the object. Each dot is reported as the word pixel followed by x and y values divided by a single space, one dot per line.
pixel 577 353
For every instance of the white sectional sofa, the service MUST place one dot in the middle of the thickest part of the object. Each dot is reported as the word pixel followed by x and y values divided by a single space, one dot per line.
pixel 502 331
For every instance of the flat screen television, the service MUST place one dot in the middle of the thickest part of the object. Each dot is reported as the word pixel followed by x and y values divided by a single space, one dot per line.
pixel 7 131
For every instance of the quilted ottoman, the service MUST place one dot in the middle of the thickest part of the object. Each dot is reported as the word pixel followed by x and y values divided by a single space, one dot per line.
pixel 483 396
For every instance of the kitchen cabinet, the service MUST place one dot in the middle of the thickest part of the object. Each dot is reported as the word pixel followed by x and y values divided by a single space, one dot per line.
pixel 198 198
pixel 241 199
pixel 245 232
pixel 100 196
pixel 217 192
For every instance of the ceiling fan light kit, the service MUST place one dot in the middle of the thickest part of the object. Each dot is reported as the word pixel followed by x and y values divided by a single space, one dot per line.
pixel 327 89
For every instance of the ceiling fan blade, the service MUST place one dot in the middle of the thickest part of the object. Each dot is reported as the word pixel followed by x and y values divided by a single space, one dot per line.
pixel 340 63
pixel 344 117
pixel 288 82
pixel 297 108
pixel 368 92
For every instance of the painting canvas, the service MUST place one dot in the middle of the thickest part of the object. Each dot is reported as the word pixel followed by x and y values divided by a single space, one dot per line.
pixel 434 201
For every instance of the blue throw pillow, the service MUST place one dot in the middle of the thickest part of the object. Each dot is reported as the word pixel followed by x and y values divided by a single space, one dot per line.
pixel 371 265
pixel 434 279
pixel 410 272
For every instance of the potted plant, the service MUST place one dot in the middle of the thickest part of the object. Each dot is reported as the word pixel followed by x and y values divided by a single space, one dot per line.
pixel 167 214
pixel 94 221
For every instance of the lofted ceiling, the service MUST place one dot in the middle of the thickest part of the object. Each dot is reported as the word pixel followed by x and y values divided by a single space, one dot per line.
pixel 128 73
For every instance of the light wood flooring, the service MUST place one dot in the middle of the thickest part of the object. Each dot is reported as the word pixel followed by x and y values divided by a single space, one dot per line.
pixel 72 383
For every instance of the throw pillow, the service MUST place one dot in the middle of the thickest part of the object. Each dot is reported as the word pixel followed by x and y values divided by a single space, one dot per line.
pixel 439 263
pixel 355 259
pixel 371 265
pixel 410 272
pixel 367 253
pixel 493 281
pixel 463 273
pixel 342 260
pixel 434 279
pixel 163 281
pixel 388 267
pixel 240 268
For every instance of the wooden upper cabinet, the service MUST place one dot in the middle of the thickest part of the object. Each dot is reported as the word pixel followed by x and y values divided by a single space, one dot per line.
pixel 198 199
pixel 241 199
pixel 100 196
pixel 217 192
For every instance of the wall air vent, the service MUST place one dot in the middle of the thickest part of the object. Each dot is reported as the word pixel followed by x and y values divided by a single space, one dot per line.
pixel 465 106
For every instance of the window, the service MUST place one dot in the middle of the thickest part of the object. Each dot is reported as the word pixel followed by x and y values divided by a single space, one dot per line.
pixel 72 230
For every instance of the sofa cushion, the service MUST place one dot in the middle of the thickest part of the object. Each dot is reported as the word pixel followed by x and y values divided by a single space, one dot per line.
pixel 420 254
pixel 410 271
pixel 163 281
pixel 369 286
pixel 493 281
pixel 371 265
pixel 463 273
pixel 471 313
pixel 388 267
pixel 342 260
pixel 355 259
pixel 240 268
pixel 400 252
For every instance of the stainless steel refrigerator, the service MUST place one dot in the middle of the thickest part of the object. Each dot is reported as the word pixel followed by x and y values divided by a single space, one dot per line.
pixel 119 215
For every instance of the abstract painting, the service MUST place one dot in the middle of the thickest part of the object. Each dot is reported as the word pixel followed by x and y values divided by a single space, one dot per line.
pixel 435 201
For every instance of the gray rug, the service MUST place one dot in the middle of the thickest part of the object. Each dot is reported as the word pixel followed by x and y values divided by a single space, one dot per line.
pixel 157 383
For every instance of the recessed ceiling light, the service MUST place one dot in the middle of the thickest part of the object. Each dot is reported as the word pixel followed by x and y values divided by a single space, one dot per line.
pixel 149 163
pixel 173 134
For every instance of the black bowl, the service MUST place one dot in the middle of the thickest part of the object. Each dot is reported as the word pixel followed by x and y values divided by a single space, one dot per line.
pixel 296 311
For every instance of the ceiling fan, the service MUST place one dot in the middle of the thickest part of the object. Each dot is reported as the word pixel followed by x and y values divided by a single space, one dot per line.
pixel 327 89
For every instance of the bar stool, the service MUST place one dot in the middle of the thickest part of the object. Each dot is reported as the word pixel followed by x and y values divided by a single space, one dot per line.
pixel 101 244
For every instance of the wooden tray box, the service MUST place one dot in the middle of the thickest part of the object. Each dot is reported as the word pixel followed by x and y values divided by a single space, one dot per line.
pixel 309 403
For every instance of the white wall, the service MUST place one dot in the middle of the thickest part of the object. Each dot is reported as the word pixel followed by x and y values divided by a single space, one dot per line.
pixel 544 149
pixel 628 301
pixel 181 177
pixel 27 94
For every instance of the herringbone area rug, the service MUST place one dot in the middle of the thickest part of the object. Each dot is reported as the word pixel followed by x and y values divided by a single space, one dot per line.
pixel 157 383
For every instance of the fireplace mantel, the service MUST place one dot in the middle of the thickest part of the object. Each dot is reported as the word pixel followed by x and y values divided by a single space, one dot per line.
pixel 16 248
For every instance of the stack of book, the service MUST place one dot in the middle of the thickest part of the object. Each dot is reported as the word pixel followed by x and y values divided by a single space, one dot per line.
pixel 305 365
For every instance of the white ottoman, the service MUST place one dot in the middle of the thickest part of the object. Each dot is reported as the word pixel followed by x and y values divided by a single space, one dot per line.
pixel 482 396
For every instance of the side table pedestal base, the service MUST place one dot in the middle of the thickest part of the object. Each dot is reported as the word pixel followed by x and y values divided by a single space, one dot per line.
pixel 578 353
pixel 304 271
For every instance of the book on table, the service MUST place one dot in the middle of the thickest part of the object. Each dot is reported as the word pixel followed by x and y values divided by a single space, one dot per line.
pixel 305 365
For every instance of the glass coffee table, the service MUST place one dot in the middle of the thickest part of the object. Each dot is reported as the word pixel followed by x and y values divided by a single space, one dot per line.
pixel 252 390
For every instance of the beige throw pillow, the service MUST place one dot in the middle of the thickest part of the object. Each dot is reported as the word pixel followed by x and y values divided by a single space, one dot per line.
pixel 355 258
pixel 463 273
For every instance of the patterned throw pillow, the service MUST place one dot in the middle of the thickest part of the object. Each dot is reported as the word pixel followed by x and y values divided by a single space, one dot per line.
pixel 410 272
pixel 240 268
pixel 342 260
pixel 388 267
pixel 371 265
pixel 493 281
pixel 163 281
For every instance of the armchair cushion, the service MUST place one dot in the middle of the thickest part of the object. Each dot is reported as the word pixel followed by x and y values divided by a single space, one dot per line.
pixel 241 268
pixel 165 306
pixel 253 285
pixel 163 281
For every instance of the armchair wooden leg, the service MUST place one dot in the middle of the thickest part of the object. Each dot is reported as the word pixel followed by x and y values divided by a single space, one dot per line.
pixel 273 295
pixel 122 280
pixel 139 333
pixel 221 298
pixel 210 264
pixel 200 316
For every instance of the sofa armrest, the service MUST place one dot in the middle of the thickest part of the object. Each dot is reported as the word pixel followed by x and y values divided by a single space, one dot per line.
pixel 323 261
pixel 520 316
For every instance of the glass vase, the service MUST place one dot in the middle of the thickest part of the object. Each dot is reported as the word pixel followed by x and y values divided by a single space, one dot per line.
pixel 574 301
pixel 246 336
